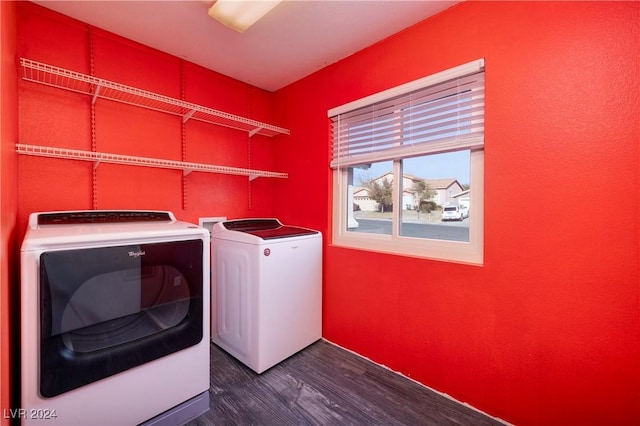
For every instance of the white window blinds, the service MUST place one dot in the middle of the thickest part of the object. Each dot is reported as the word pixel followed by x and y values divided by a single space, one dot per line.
pixel 439 113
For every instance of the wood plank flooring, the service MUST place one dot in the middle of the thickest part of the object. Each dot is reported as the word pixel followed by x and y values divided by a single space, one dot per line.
pixel 325 385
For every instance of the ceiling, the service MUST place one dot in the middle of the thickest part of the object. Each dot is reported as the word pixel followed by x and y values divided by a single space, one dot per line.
pixel 295 39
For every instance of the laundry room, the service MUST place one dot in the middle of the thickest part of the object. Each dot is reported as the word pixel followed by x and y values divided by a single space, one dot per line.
pixel 523 308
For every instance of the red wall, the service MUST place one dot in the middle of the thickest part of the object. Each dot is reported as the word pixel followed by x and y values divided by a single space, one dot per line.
pixel 547 331
pixel 54 117
pixel 8 196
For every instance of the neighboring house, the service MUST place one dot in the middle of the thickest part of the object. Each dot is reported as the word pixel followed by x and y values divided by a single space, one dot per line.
pixel 444 189
pixel 363 200
pixel 462 199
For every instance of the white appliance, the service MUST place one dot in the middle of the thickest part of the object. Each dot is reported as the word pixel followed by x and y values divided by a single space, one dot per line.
pixel 266 290
pixel 115 319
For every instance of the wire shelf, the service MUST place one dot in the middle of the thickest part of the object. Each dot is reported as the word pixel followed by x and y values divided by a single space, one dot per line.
pixel 61 78
pixel 102 157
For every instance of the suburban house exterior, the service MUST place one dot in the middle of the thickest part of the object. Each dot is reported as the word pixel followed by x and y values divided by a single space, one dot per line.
pixel 462 198
pixel 447 191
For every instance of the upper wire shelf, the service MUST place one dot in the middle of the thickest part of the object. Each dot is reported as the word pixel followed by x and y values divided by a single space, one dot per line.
pixel 102 157
pixel 100 88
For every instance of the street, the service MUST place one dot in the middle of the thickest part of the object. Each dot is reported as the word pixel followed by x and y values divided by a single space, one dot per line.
pixel 451 231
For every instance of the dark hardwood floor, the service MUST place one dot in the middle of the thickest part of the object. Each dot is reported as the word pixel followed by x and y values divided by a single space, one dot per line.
pixel 325 385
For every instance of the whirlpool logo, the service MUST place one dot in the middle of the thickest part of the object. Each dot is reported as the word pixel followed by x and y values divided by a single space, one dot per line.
pixel 136 254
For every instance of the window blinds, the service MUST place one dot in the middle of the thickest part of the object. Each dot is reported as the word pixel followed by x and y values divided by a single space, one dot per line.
pixel 439 113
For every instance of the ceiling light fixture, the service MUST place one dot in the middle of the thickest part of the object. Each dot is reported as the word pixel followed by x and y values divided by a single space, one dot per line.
pixel 241 14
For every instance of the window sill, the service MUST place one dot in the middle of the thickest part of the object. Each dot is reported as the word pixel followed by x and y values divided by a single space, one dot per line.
pixel 446 251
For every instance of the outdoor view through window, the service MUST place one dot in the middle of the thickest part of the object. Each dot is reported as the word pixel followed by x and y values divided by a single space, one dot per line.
pixel 432 199
pixel 405 162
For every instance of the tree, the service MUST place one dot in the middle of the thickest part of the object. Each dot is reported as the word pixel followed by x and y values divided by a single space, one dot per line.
pixel 422 195
pixel 382 193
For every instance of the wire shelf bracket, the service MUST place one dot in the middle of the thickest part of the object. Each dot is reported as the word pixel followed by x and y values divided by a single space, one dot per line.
pixel 102 157
pixel 95 87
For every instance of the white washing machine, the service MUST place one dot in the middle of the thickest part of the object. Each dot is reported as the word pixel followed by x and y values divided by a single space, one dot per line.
pixel 266 290
pixel 114 319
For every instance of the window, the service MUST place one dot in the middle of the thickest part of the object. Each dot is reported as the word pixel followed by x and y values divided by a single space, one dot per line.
pixel 408 168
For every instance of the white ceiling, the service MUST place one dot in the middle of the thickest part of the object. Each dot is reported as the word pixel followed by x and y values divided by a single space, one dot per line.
pixel 297 38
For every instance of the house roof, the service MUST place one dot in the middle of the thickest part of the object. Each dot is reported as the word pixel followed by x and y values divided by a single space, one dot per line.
pixel 442 183
pixel 460 194
pixel 360 191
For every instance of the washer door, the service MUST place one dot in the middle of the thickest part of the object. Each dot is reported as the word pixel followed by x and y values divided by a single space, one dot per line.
pixel 105 310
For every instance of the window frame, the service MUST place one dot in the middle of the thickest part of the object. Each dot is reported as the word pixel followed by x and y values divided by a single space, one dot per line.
pixel 471 252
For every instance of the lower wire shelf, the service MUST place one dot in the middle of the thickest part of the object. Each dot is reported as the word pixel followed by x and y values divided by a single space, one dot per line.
pixel 103 157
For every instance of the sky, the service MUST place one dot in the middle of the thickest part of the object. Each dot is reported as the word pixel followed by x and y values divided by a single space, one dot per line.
pixel 448 165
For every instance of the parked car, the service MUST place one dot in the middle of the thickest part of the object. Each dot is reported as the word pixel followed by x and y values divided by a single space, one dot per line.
pixel 455 213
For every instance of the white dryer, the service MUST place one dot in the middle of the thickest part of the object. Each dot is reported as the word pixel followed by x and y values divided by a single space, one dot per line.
pixel 266 290
pixel 115 319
